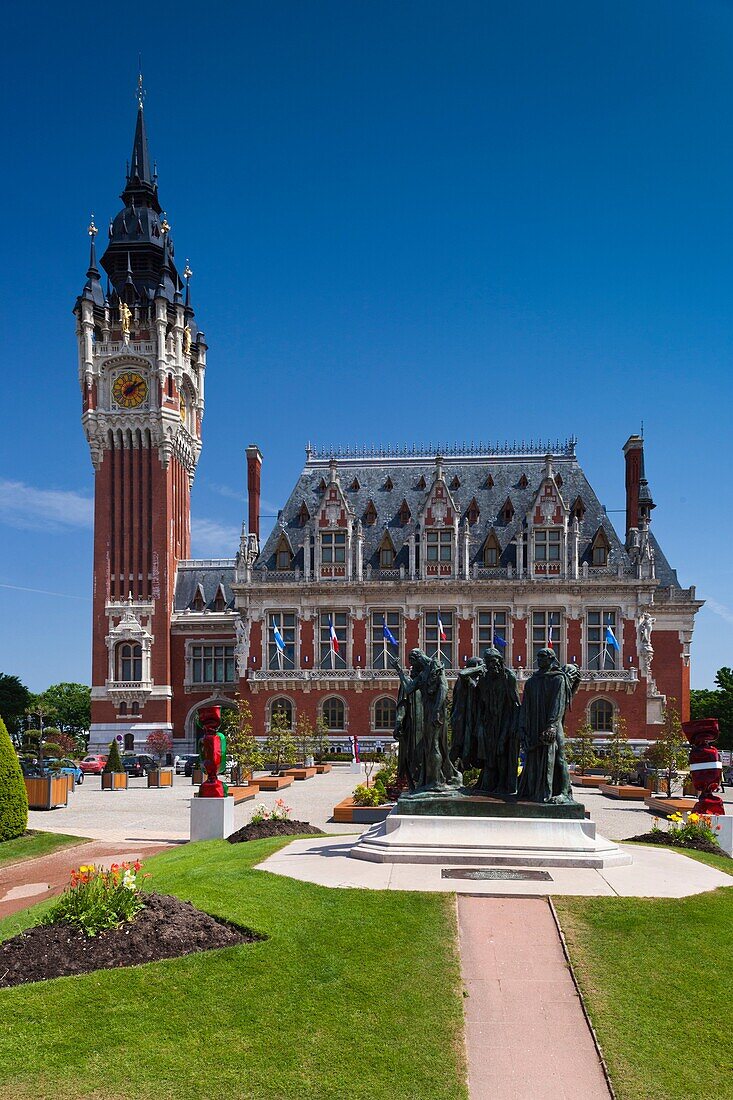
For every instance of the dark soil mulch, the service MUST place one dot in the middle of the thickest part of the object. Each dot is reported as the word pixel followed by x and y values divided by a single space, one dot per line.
pixel 695 845
pixel 166 928
pixel 272 828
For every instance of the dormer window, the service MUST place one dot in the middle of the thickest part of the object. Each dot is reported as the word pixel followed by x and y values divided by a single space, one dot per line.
pixel 600 548
pixel 355 486
pixel 558 480
pixel 303 515
pixel 523 482
pixel 333 547
pixel 386 552
pixel 439 545
pixel 421 484
pixel 370 514
pixel 455 483
pixel 492 551
pixel 507 511
pixel 322 485
pixel 489 483
pixel 578 509
pixel 547 544
pixel 220 600
pixel 199 601
pixel 283 554
pixel 389 484
pixel 404 514
pixel 473 512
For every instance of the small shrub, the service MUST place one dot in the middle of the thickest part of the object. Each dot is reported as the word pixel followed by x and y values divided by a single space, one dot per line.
pixel 369 796
pixel 114 761
pixel 13 797
pixel 158 744
pixel 97 900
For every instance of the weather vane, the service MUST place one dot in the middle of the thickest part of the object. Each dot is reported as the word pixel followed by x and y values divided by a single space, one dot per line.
pixel 187 273
pixel 92 230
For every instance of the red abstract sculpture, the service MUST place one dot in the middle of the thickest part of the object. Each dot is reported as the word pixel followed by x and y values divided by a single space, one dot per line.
pixel 705 765
pixel 212 753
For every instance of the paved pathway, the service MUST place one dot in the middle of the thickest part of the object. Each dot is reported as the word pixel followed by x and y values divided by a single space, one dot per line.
pixel 23 884
pixel 526 1035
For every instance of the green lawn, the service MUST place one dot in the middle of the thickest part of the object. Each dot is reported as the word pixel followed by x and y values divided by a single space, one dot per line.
pixel 36 844
pixel 356 993
pixel 656 977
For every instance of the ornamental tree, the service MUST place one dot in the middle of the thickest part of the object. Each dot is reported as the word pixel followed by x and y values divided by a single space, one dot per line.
pixel 13 797
pixel 114 760
pixel 14 700
pixel 669 753
pixel 321 744
pixel 621 757
pixel 582 749
pixel 158 744
pixel 236 725
pixel 279 748
pixel 304 737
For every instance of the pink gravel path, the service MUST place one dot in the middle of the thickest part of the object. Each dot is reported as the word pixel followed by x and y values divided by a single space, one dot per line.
pixel 526 1035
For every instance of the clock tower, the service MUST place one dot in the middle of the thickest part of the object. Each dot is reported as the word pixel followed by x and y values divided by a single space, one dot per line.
pixel 142 361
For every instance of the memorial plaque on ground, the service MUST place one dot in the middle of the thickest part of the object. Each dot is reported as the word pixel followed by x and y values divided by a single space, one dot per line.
pixel 507 873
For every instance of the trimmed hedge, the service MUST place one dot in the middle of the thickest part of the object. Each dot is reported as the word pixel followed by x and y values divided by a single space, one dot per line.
pixel 114 761
pixel 13 797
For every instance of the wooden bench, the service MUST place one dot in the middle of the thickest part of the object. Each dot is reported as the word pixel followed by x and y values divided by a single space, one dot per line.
pixel 625 791
pixel 273 782
pixel 244 794
pixel 346 813
pixel 589 780
pixel 323 768
pixel 664 807
pixel 302 773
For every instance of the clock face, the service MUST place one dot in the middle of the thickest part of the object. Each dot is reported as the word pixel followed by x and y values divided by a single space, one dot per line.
pixel 130 389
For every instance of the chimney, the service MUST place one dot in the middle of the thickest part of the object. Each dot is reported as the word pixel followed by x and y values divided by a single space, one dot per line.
pixel 254 475
pixel 634 455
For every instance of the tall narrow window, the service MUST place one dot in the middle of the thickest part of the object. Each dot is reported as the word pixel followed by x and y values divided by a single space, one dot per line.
pixel 284 708
pixel 333 652
pixel 493 630
pixel 283 554
pixel 602 653
pixel 601 716
pixel 130 662
pixel 492 551
pixel 333 547
pixel 439 545
pixel 600 548
pixel 212 664
pixel 386 552
pixel 381 646
pixel 285 623
pixel 334 713
pixel 385 710
pixel 546 628
pixel 439 636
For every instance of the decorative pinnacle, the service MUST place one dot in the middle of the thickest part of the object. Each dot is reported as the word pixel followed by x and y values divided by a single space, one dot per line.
pixel 140 90
pixel 92 230
pixel 187 273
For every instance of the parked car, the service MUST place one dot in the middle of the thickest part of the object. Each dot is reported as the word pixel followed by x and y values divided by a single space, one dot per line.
pixel 182 762
pixel 192 761
pixel 138 765
pixel 67 767
pixel 93 764
pixel 30 768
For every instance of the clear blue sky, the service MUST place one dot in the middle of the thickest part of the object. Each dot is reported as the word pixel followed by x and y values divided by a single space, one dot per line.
pixel 516 217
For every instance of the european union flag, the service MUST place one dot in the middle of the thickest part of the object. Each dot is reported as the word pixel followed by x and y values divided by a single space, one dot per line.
pixel 387 633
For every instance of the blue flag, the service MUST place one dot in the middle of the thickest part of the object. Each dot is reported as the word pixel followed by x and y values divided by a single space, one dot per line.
pixel 278 637
pixel 387 633
pixel 498 640
pixel 611 639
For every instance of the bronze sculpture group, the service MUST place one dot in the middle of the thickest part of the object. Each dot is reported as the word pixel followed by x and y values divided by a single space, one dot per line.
pixel 489 727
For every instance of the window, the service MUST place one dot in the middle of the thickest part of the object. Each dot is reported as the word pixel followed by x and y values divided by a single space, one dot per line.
pixel 330 657
pixel 283 554
pixel 333 547
pixel 473 512
pixel 507 511
pixel 303 514
pixel 285 622
pixel 220 602
pixel 123 707
pixel 199 603
pixel 405 515
pixel 381 648
pixel 601 716
pixel 491 625
pixel 492 551
pixel 129 741
pixel 435 645
pixel 385 711
pixel 547 544
pixel 285 708
pixel 386 552
pixel 212 664
pixel 439 545
pixel 578 509
pixel 600 548
pixel 370 514
pixel 601 654
pixel 546 627
pixel 334 713
pixel 130 662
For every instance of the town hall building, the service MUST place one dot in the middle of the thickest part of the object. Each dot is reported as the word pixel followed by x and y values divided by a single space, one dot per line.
pixel 374 553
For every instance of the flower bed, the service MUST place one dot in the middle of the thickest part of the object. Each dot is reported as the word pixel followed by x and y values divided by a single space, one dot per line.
pixel 257 830
pixel 695 831
pixel 104 920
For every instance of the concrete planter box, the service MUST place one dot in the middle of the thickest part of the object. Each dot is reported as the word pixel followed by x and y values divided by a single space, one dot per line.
pixel 211 818
pixel 347 813
pixel 273 782
pixel 302 773
pixel 322 769
pixel 160 777
pixel 46 792
pixel 665 807
pixel 625 791
pixel 114 781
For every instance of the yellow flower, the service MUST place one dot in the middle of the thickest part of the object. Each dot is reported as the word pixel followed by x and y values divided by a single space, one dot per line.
pixel 694 817
pixel 675 817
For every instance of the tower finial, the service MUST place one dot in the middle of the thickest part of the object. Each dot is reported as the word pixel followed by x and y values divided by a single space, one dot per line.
pixel 140 91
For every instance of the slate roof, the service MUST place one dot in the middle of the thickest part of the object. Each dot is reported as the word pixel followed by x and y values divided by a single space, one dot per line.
pixel 207 574
pixel 404 472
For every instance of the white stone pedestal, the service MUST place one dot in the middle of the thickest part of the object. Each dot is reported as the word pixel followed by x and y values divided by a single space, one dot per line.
pixel 356 767
pixel 212 818
pixel 725 836
pixel 488 842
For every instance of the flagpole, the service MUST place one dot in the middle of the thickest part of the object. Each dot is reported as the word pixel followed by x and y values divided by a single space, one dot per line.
pixel 440 625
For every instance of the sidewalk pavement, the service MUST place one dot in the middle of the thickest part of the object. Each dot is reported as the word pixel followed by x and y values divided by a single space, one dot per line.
pixel 23 884
pixel 526 1033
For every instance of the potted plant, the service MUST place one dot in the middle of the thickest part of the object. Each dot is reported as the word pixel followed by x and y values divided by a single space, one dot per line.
pixel 158 744
pixel 321 745
pixel 114 776
pixel 236 725
pixel 279 751
pixel 669 753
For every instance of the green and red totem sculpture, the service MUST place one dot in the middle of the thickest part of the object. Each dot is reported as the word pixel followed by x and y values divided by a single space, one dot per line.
pixel 706 769
pixel 212 752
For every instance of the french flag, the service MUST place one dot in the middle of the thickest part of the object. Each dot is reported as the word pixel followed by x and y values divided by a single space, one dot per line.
pixel 441 632
pixel 549 639
pixel 332 635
